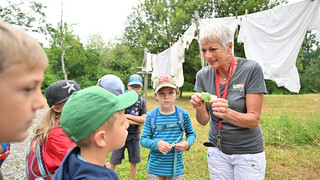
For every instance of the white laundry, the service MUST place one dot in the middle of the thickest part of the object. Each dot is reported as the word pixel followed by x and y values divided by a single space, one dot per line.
pixel 176 59
pixel 154 58
pixel 149 62
pixel 232 22
pixel 164 62
pixel 316 25
pixel 189 35
pixel 274 37
pixel 169 62
pixel 178 77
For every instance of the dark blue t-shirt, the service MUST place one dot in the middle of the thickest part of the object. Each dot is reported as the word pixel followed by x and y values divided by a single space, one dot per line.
pixel 136 109
pixel 74 168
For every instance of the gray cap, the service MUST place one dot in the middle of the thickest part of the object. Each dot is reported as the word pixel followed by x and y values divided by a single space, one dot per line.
pixel 112 83
pixel 60 91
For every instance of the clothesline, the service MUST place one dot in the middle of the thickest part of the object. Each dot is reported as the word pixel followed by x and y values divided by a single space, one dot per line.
pixel 272 38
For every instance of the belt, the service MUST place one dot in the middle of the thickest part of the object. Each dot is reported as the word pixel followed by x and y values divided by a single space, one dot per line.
pixel 209 144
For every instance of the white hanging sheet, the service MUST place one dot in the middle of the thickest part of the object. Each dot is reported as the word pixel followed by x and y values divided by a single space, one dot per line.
pixel 274 37
pixel 232 22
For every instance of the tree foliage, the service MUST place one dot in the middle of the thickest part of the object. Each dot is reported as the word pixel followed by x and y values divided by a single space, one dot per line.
pixel 310 64
pixel 81 64
pixel 156 23
pixel 86 64
pixel 28 15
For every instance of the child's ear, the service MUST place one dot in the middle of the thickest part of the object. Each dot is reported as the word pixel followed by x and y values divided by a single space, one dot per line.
pixel 155 96
pixel 100 139
pixel 57 108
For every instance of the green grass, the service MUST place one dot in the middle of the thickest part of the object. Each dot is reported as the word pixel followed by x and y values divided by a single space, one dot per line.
pixel 291 128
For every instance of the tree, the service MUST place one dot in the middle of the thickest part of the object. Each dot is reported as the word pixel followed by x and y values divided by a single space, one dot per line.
pixel 28 15
pixel 309 64
pixel 156 23
pixel 81 64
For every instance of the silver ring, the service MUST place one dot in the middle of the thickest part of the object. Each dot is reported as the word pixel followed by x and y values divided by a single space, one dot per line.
pixel 224 109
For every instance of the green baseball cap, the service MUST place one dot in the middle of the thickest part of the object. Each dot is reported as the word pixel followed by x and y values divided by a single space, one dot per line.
pixel 86 110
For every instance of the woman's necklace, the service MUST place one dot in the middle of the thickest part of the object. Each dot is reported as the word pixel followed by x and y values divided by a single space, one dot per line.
pixel 224 78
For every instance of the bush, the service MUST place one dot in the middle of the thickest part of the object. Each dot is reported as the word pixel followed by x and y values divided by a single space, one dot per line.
pixel 287 132
pixel 187 86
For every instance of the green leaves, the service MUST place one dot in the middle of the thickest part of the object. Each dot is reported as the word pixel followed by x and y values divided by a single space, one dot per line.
pixel 28 15
pixel 205 97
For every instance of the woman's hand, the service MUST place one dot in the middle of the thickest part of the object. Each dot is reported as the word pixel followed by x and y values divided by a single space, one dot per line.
pixel 196 101
pixel 201 109
pixel 220 107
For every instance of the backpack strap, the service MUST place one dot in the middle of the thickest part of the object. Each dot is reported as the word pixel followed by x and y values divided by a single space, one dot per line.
pixel 180 113
pixel 39 154
pixel 153 116
pixel 6 152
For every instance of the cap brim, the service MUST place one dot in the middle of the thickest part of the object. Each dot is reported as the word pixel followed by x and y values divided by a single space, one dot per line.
pixel 138 83
pixel 165 85
pixel 126 100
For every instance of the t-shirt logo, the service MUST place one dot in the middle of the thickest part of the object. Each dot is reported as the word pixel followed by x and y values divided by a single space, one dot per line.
pixel 238 87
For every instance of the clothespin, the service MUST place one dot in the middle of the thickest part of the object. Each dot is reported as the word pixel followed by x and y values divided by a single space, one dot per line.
pixel 246 12
pixel 236 15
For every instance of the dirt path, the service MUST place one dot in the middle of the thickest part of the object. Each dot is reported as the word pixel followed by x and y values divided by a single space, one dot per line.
pixel 13 167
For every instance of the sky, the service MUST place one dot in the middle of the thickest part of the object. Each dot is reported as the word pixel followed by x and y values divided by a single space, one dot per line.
pixel 106 17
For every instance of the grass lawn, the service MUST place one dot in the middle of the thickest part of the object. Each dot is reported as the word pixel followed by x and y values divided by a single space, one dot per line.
pixel 291 127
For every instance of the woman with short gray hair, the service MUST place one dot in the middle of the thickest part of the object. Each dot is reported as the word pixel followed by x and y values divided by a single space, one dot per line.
pixel 235 142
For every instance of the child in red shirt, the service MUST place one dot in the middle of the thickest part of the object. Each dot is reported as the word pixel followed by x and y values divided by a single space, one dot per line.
pixel 54 145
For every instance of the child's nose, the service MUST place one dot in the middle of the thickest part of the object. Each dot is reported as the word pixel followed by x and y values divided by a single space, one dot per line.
pixel 39 101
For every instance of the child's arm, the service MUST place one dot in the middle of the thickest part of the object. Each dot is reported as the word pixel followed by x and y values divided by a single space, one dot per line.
pixel 136 120
pixel 190 134
pixel 146 140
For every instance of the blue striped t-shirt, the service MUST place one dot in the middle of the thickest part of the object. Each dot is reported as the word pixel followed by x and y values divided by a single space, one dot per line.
pixel 162 164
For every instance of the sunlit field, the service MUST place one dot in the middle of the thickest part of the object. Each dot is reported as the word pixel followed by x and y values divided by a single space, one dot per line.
pixel 291 127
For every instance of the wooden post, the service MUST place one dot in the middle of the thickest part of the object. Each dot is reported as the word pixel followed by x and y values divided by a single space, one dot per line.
pixel 145 76
pixel 196 15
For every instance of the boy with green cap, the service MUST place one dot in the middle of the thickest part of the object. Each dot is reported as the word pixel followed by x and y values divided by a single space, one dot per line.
pixel 94 119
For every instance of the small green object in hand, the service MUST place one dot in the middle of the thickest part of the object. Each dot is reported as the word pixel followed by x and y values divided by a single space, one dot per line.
pixel 205 97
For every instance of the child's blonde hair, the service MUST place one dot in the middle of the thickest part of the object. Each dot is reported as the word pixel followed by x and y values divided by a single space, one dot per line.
pixel 57 93
pixel 49 121
pixel 16 46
